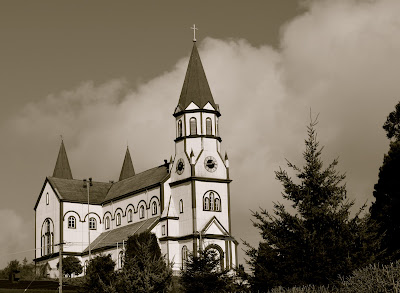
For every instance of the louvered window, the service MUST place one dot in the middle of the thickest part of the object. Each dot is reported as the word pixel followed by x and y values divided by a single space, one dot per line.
pixel 208 126
pixel 193 126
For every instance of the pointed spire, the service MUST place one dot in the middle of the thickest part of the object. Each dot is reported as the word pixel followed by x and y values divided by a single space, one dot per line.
pixel 127 167
pixel 192 157
pixel 195 87
pixel 62 168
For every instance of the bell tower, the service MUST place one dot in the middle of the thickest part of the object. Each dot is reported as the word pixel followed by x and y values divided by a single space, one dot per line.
pixel 199 173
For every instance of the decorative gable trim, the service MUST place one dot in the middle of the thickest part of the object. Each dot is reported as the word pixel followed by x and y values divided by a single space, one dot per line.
pixel 217 223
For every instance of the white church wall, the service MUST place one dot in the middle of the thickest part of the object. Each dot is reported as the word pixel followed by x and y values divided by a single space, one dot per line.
pixel 184 192
pixel 44 211
pixel 145 198
pixel 201 171
pixel 167 193
pixel 77 239
pixel 203 217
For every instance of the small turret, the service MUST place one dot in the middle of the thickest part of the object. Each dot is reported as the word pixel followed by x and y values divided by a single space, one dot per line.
pixel 226 160
pixel 192 159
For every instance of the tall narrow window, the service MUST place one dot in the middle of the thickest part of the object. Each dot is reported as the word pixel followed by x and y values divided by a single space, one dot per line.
pixel 212 202
pixel 47 226
pixel 120 260
pixel 71 222
pixel 180 128
pixel 208 126
pixel 141 212
pixel 43 245
pixel 92 224
pixel 193 126
pixel 154 208
pixel 107 223
pixel 217 205
pixel 48 244
pixel 129 216
pixel 47 198
pixel 181 206
pixel 118 219
pixel 163 230
pixel 206 203
pixel 184 256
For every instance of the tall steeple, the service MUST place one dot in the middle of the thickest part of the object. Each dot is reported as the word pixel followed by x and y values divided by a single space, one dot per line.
pixel 195 87
pixel 62 168
pixel 127 167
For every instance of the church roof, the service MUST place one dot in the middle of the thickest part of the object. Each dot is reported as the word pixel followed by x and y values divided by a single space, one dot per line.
pixel 138 182
pixel 127 167
pixel 62 168
pixel 73 190
pixel 195 87
pixel 110 238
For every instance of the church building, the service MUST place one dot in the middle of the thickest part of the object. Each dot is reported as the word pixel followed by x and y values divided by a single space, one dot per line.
pixel 184 202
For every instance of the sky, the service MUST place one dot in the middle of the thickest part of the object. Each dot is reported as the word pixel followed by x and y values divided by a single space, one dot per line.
pixel 106 74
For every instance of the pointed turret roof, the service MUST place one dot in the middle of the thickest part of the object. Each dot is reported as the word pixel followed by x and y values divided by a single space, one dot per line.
pixel 127 167
pixel 62 168
pixel 195 87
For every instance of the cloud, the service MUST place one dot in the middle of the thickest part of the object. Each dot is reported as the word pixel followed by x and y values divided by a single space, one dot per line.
pixel 12 237
pixel 339 58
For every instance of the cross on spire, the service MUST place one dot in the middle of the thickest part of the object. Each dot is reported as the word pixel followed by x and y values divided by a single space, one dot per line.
pixel 194 28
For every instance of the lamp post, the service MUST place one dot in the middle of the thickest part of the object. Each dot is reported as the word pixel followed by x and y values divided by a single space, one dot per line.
pixel 87 184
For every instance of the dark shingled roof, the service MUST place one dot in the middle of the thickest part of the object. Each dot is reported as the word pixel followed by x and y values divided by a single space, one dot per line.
pixel 72 190
pixel 139 181
pixel 127 167
pixel 62 168
pixel 110 238
pixel 195 87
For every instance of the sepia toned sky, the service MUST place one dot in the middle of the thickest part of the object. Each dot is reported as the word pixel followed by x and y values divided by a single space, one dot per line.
pixel 103 74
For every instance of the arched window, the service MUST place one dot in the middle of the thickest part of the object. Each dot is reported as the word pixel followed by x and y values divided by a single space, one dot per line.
pixel 120 260
pixel 118 219
pixel 129 216
pixel 218 254
pixel 211 201
pixel 47 198
pixel 206 203
pixel 85 267
pixel 154 208
pixel 217 205
pixel 208 126
pixel 141 212
pixel 47 237
pixel 92 224
pixel 181 206
pixel 180 128
pixel 193 126
pixel 71 222
pixel 184 256
pixel 107 223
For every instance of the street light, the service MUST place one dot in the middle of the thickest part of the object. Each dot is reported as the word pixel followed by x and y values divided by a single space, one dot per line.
pixel 87 184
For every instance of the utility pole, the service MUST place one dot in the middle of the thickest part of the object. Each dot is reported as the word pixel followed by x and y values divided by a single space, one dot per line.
pixel 87 184
pixel 60 274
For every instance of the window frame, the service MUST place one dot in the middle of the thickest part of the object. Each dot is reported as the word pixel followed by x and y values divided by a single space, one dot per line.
pixel 118 219
pixel 184 256
pixel 154 208
pixel 71 222
pixel 208 126
pixel 130 215
pixel 193 126
pixel 181 206
pixel 47 198
pixel 180 130
pixel 92 223
pixel 107 223
pixel 141 212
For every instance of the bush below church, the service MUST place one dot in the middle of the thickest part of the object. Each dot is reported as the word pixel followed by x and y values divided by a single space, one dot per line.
pixel 371 279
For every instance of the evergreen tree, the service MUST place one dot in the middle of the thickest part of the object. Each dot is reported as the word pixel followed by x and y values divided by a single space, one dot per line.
pixel 202 273
pixel 145 269
pixel 100 276
pixel 385 209
pixel 320 240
